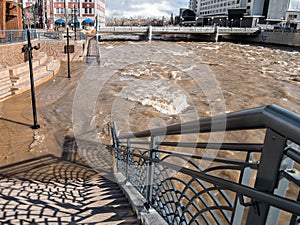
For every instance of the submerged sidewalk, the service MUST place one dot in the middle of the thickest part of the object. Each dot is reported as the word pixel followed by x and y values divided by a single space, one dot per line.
pixel 44 179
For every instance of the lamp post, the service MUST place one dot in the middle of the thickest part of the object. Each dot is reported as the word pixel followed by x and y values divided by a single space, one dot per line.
pixel 23 15
pixel 74 14
pixel 241 20
pixel 68 53
pixel 231 23
pixel 226 22
pixel 46 19
pixel 33 8
pixel 29 49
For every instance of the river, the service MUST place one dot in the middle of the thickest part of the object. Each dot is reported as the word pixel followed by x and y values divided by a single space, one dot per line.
pixel 143 85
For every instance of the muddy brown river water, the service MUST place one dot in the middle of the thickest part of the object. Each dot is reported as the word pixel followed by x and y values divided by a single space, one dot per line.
pixel 143 85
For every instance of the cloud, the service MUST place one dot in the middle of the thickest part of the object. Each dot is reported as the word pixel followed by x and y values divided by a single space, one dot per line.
pixel 143 8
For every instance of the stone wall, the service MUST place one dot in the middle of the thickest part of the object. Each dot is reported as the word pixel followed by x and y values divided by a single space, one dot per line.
pixel 11 54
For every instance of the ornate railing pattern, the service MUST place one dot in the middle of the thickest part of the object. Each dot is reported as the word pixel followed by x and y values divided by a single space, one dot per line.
pixel 246 183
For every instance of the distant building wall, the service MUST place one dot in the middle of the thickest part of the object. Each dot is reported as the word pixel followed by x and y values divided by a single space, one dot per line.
pixel 277 9
pixel 2 15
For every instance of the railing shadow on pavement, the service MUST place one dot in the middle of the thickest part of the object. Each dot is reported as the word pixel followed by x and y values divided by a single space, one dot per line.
pixel 245 183
pixel 54 190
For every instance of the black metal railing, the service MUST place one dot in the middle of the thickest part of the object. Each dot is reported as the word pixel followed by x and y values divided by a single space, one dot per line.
pixel 218 183
pixel 13 36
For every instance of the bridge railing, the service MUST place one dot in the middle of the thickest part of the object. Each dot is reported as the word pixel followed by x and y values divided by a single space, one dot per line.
pixel 218 183
pixel 184 29
pixel 237 30
pixel 123 29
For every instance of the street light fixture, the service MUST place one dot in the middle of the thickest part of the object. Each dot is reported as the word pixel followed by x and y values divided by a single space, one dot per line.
pixel 29 49
pixel 74 20
pixel 241 19
pixel 33 8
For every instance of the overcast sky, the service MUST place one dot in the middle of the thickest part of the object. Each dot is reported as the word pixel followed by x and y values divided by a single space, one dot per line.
pixel 144 8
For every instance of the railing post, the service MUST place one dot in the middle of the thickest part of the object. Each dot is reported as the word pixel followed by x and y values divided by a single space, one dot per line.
pixel 245 180
pixel 150 33
pixel 267 175
pixel 150 169
pixel 286 164
pixel 115 144
pixel 128 150
pixel 11 37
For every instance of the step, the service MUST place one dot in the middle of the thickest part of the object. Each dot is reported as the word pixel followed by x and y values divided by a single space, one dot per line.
pixel 24 67
pixel 4 73
pixel 5 94
pixel 48 62
pixel 4 80
pixel 41 58
pixel 25 76
pixel 5 88
pixel 18 69
pixel 18 88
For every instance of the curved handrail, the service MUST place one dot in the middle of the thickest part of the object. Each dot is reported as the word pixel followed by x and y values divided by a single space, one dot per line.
pixel 285 122
pixel 277 155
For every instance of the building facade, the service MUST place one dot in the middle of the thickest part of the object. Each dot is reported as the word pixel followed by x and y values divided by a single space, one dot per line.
pixel 286 11
pixel 60 13
pixel 10 15
pixel 259 10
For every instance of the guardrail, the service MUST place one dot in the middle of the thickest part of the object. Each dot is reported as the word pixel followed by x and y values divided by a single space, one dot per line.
pixel 177 30
pixel 14 36
pixel 245 183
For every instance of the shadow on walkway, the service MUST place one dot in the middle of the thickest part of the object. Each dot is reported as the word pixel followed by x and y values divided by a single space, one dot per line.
pixel 51 190
pixel 16 122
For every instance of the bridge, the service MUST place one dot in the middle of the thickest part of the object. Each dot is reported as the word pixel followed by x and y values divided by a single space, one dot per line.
pixel 214 31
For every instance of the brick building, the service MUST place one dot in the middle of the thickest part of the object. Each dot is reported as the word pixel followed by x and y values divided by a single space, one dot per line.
pixel 10 15
pixel 53 13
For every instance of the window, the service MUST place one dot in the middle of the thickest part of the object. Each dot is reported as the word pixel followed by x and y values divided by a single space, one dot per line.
pixel 88 10
pixel 59 10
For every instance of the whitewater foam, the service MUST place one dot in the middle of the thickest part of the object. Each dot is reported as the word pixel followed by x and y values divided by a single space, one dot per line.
pixel 165 96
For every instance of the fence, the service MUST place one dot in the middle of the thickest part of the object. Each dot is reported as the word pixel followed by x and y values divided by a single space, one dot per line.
pixel 14 36
pixel 245 183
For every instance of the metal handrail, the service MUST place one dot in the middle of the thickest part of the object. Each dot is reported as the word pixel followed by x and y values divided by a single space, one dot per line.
pixel 278 201
pixel 148 169
pixel 272 116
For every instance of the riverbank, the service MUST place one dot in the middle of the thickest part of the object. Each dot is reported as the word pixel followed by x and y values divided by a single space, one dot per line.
pixel 271 37
pixel 18 141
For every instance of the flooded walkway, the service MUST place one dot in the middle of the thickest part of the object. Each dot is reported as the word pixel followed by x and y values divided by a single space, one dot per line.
pixel 45 177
